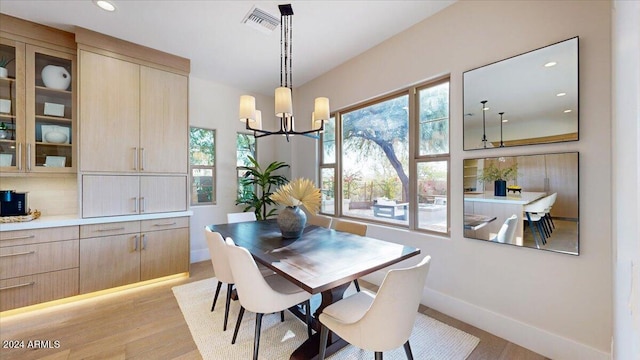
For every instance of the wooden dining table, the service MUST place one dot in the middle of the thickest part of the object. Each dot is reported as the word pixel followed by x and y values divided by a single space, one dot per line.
pixel 321 261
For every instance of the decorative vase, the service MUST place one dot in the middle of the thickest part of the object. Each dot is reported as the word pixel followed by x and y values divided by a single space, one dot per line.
pixel 56 77
pixel 500 188
pixel 291 221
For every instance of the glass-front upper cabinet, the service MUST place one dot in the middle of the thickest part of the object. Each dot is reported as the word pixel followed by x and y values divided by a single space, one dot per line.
pixel 11 103
pixel 50 108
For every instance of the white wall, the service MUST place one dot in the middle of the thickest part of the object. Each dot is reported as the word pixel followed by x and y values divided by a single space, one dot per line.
pixel 215 106
pixel 626 177
pixel 557 305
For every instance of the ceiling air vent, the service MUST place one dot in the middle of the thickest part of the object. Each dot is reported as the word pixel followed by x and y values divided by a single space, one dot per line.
pixel 261 20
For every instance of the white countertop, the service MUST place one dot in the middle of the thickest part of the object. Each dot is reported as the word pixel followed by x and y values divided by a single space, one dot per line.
pixel 70 220
pixel 517 198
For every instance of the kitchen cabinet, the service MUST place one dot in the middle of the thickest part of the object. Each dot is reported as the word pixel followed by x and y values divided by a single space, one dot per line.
pixel 136 113
pixel 37 129
pixel 38 266
pixel 113 195
pixel 470 175
pixel 117 254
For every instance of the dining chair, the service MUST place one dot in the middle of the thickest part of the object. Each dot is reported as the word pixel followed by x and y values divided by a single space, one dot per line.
pixel 353 228
pixel 532 212
pixel 507 231
pixel 379 322
pixel 218 253
pixel 547 212
pixel 241 217
pixel 319 220
pixel 262 295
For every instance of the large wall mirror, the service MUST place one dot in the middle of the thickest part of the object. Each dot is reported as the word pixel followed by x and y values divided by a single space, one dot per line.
pixel 538 208
pixel 527 99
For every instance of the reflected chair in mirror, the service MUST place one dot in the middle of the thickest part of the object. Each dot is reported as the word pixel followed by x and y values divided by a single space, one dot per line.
pixel 218 253
pixel 379 322
pixel 507 231
pixel 534 213
pixel 262 295
pixel 353 228
pixel 241 217
pixel 319 220
pixel 547 211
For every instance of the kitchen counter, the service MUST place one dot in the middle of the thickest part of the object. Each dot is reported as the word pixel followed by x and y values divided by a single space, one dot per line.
pixel 70 220
pixel 521 199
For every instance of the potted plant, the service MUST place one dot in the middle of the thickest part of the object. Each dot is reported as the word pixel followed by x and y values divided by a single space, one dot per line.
pixel 261 181
pixel 4 61
pixel 499 176
pixel 299 192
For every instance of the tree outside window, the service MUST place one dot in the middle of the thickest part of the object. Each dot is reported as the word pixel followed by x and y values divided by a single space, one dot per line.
pixel 202 164
pixel 245 146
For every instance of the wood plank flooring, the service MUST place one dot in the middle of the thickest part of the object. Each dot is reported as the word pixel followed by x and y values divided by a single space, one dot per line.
pixel 148 324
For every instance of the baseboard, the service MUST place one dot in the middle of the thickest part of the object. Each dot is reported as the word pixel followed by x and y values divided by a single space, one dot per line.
pixel 199 255
pixel 538 340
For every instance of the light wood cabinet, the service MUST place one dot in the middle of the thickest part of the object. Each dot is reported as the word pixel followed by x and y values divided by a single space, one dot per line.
pixel 112 195
pixel 38 266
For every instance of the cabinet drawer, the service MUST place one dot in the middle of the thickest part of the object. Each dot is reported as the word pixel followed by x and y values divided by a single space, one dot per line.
pixel 38 258
pixel 34 289
pixel 117 228
pixel 164 224
pixel 36 236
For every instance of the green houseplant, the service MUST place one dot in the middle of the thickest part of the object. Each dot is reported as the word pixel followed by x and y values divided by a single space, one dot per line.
pixel 499 176
pixel 262 181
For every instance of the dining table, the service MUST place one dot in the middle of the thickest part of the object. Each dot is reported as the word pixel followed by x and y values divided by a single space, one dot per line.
pixel 321 261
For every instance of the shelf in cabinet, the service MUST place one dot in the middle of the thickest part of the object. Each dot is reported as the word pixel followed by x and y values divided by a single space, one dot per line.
pixel 7 79
pixel 7 116
pixel 51 144
pixel 7 141
pixel 56 119
pixel 53 91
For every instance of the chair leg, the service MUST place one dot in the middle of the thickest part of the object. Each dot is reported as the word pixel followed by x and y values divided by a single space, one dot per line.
pixel 307 304
pixel 355 282
pixel 235 332
pixel 324 336
pixel 215 297
pixel 407 350
pixel 282 316
pixel 378 355
pixel 256 336
pixel 226 307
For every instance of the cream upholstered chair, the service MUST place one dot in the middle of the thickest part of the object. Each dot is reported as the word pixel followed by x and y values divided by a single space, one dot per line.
pixel 353 228
pixel 507 231
pixel 218 253
pixel 534 213
pixel 378 322
pixel 319 220
pixel 262 295
pixel 241 217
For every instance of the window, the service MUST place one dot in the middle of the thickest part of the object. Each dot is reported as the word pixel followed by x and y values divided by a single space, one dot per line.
pixel 387 160
pixel 245 147
pixel 202 162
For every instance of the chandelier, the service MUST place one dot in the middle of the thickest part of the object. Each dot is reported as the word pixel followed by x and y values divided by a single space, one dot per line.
pixel 283 94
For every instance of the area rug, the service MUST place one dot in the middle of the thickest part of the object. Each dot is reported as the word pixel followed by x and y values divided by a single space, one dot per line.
pixel 430 339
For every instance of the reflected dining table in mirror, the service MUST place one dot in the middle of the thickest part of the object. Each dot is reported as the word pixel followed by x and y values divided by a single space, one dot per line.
pixel 321 261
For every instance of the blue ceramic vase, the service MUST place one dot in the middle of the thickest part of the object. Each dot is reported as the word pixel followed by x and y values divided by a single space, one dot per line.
pixel 291 221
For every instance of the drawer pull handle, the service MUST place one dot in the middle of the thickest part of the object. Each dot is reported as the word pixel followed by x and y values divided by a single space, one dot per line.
pixel 111 229
pixel 143 242
pixel 165 224
pixel 21 237
pixel 18 286
pixel 20 253
pixel 135 243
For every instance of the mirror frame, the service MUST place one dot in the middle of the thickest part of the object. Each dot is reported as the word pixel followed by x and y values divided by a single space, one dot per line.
pixel 504 96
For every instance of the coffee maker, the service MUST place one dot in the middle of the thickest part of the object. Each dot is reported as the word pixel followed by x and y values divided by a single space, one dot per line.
pixel 13 203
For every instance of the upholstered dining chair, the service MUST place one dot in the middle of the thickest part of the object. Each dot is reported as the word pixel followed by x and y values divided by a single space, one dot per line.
pixel 262 295
pixel 533 213
pixel 379 322
pixel 353 228
pixel 319 220
pixel 507 231
pixel 241 217
pixel 218 253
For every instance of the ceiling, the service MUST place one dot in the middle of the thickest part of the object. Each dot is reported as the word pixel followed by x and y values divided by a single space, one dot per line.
pixel 221 48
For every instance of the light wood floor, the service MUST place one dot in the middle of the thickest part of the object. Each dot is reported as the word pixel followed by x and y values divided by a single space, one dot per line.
pixel 148 324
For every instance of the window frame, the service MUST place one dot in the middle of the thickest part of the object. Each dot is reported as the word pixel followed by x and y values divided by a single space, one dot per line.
pixel 241 168
pixel 203 167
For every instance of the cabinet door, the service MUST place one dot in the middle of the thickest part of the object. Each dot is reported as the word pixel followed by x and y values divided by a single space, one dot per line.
pixel 163 193
pixel 163 121
pixel 532 173
pixel 563 180
pixel 109 261
pixel 109 195
pixel 12 108
pixel 109 109
pixel 164 253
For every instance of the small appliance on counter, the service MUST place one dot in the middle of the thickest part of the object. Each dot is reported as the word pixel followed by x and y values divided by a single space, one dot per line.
pixel 13 203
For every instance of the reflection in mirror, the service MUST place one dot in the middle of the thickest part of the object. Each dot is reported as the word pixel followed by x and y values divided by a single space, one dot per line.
pixel 539 209
pixel 527 99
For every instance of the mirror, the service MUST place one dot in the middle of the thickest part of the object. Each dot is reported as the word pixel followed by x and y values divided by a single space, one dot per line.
pixel 536 92
pixel 528 214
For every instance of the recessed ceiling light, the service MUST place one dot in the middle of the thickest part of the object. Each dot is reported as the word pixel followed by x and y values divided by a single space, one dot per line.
pixel 550 64
pixel 561 94
pixel 105 5
pixel 505 120
pixel 567 111
pixel 485 108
